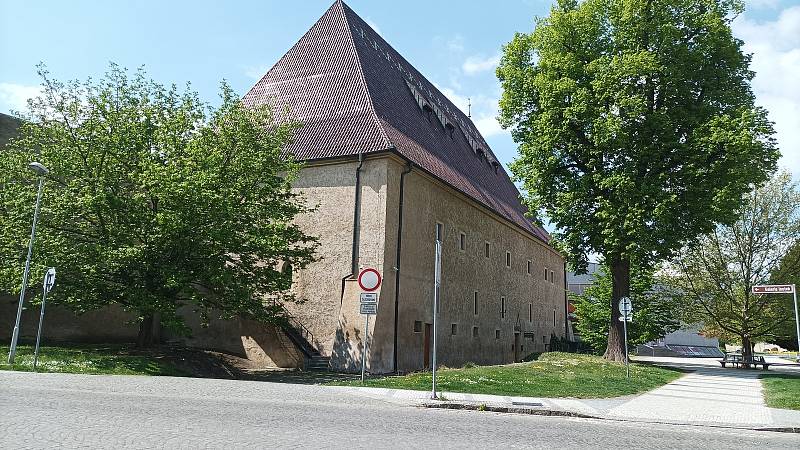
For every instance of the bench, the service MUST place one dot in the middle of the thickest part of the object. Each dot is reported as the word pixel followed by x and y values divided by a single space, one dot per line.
pixel 739 361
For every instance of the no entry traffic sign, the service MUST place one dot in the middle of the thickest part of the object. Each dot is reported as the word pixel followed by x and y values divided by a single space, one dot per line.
pixel 369 279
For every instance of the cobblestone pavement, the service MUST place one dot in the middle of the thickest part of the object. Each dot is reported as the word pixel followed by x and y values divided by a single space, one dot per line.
pixel 71 411
pixel 706 396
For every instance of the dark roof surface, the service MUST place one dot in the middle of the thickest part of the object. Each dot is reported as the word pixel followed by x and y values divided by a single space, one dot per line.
pixel 354 93
pixel 8 128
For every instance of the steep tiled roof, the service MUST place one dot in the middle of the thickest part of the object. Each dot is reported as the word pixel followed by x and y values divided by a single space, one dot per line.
pixel 354 93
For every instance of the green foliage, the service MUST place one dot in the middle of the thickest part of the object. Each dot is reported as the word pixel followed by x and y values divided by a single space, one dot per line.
pixel 636 123
pixel 656 311
pixel 552 375
pixel 154 201
pixel 716 275
pixel 787 272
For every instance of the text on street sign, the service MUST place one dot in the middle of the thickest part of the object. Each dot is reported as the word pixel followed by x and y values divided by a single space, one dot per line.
pixel 369 309
pixel 369 297
pixel 774 289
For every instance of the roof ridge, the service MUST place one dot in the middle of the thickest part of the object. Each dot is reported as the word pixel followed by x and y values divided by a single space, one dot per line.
pixel 360 68
pixel 289 50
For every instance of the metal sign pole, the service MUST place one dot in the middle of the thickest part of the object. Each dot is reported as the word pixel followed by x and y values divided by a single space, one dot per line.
pixel 625 328
pixel 39 333
pixel 796 321
pixel 437 282
pixel 366 346
pixel 49 281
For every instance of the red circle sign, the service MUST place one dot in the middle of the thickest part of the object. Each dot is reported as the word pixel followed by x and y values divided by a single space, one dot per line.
pixel 369 280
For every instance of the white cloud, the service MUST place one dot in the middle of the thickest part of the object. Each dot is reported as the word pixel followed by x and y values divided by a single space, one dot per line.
pixel 373 25
pixel 15 96
pixel 256 72
pixel 484 110
pixel 775 46
pixel 456 43
pixel 477 64
pixel 766 4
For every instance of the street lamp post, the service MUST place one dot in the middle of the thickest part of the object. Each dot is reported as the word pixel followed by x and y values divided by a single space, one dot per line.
pixel 41 171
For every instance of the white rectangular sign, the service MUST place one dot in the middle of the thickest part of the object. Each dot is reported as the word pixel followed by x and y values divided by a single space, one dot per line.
pixel 369 309
pixel 369 297
pixel 774 289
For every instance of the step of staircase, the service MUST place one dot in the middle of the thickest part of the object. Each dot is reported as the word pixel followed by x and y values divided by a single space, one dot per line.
pixel 318 363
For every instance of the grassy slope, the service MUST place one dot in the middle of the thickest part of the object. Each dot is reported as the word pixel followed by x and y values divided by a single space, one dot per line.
pixel 553 375
pixel 90 359
pixel 782 391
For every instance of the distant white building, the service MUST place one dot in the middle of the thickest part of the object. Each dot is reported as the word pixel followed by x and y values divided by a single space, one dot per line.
pixel 687 341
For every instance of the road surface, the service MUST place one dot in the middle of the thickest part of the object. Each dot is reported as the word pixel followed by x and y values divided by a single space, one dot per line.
pixel 67 411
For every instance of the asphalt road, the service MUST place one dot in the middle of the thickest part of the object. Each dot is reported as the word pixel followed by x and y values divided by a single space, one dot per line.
pixel 67 411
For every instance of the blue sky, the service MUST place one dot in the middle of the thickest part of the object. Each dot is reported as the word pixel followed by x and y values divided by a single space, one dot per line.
pixel 455 44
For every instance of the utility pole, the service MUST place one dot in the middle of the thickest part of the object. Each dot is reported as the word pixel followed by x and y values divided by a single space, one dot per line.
pixel 41 171
pixel 437 283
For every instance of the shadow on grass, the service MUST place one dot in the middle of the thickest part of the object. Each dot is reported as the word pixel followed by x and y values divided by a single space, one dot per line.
pixel 90 359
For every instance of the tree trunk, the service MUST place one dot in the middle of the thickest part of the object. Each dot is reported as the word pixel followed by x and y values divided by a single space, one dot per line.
pixel 747 347
pixel 620 287
pixel 147 336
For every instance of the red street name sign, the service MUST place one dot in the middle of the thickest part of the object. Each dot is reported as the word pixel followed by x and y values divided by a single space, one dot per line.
pixel 774 289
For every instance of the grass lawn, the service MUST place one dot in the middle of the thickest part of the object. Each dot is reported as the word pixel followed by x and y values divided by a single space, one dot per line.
pixel 90 359
pixel 782 391
pixel 552 375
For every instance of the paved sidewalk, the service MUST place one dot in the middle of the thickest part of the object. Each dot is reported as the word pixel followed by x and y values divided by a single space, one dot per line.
pixel 708 396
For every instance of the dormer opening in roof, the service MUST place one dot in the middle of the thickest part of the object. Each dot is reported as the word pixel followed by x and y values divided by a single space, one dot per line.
pixel 422 102
pixel 450 129
pixel 496 166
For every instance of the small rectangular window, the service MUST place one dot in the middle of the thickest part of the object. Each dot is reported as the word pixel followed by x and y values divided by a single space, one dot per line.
pixel 439 232
pixel 453 329
pixel 545 274
pixel 417 326
pixel 554 318
pixel 462 241
pixel 474 332
pixel 551 276
pixel 543 338
pixel 508 259
pixel 529 267
pixel 497 334
pixel 530 312
pixel 502 307
pixel 475 303
pixel 486 249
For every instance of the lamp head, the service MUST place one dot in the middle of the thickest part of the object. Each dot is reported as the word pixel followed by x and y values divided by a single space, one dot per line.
pixel 38 168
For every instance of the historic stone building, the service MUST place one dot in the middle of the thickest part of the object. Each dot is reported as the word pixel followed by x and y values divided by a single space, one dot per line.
pixel 392 165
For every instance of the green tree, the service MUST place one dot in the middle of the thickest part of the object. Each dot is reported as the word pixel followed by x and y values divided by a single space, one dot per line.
pixel 787 272
pixel 154 201
pixel 656 310
pixel 636 126
pixel 717 274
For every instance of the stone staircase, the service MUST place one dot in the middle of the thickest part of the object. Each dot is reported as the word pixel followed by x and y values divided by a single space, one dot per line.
pixel 318 363
pixel 302 338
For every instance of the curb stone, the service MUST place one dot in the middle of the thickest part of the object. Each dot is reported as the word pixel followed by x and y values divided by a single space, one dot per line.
pixel 506 409
pixel 564 413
